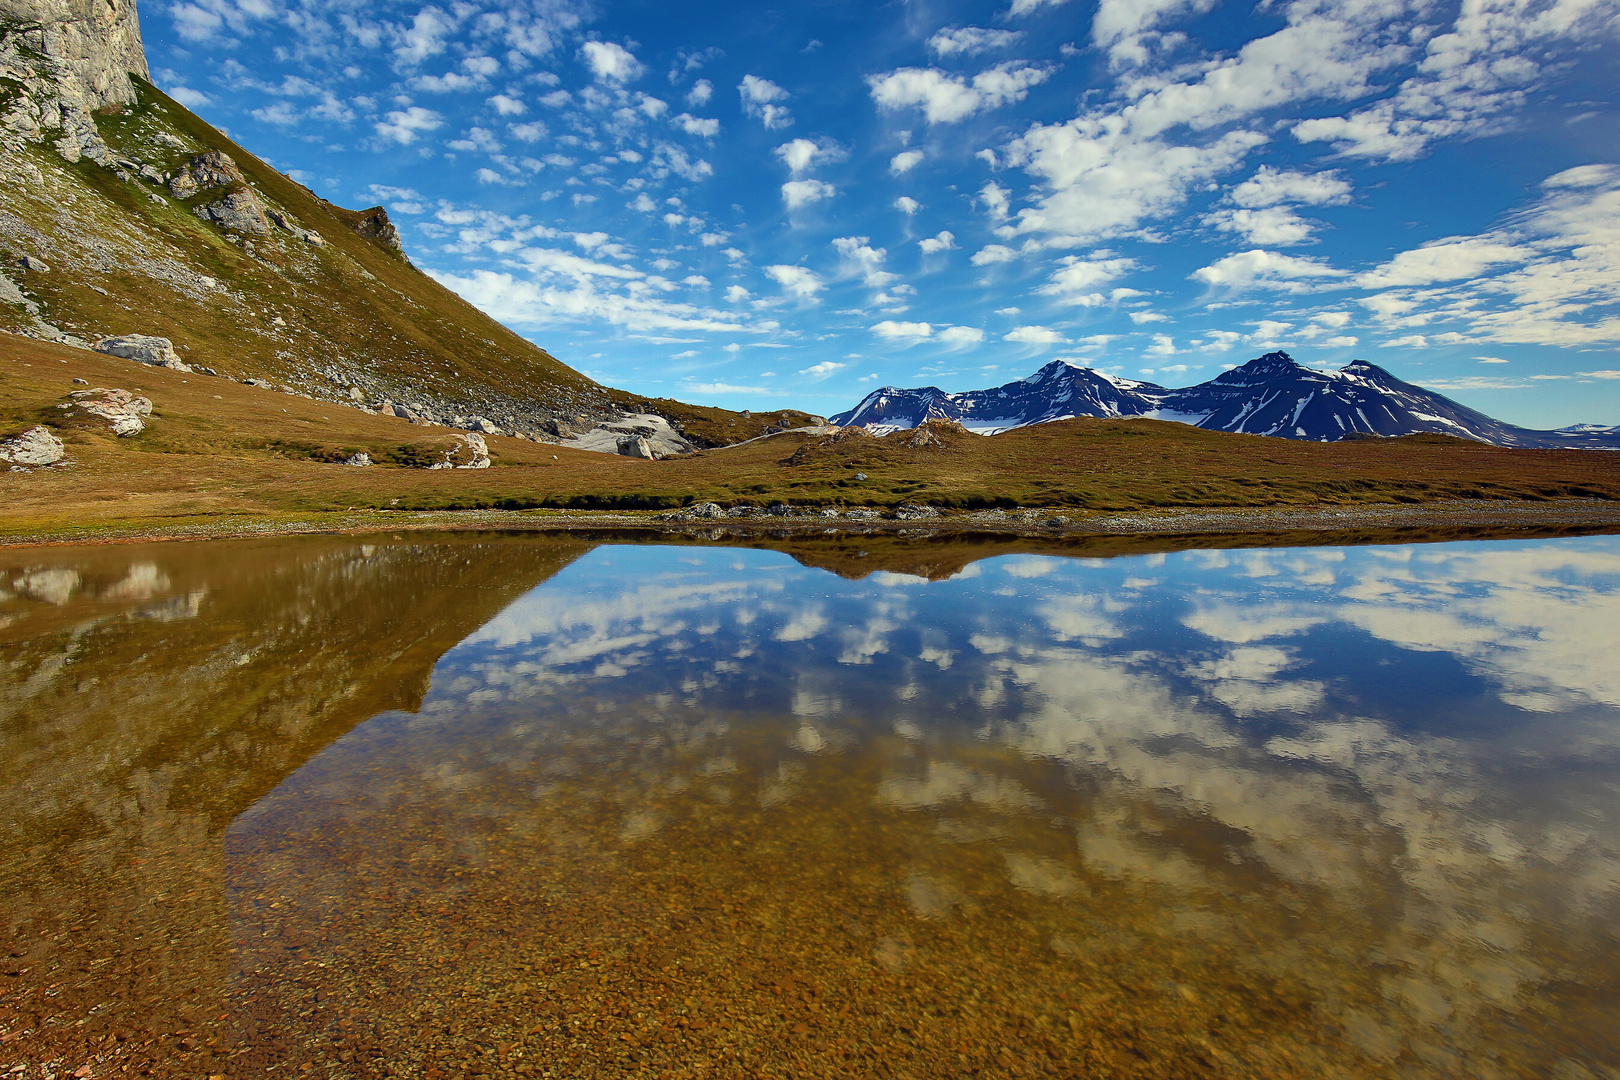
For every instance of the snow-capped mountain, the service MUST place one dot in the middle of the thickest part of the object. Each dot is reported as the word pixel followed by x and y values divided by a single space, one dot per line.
pixel 1270 395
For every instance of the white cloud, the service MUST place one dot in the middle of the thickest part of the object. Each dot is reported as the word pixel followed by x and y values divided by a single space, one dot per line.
pixel 797 193
pixel 1079 277
pixel 945 98
pixel 795 280
pixel 759 99
pixel 530 132
pixel 905 161
pixel 1124 28
pixel 1024 7
pixel 968 40
pixel 907 205
pixel 1275 226
pixel 1271 187
pixel 506 105
pixel 823 369
pixel 696 125
pixel 994 253
pixel 1265 269
pixel 569 289
pixel 611 63
pixel 903 331
pixel 1450 259
pixel 424 37
pixel 936 244
pixel 860 257
pixel 1034 335
pixel 191 99
pixel 960 336
pixel 699 95
pixel 996 200
pixel 801 155
pixel 404 125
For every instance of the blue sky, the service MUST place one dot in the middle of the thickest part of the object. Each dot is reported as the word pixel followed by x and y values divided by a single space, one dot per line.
pixel 760 206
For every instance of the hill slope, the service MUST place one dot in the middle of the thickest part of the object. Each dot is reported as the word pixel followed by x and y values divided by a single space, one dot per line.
pixel 1270 395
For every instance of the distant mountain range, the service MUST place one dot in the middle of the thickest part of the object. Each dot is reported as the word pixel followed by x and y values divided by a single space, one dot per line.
pixel 1270 395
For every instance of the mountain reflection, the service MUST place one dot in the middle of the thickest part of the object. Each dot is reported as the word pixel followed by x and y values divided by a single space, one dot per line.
pixel 1201 813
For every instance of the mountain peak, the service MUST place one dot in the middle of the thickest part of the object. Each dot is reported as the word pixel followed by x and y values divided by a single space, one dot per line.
pixel 1273 359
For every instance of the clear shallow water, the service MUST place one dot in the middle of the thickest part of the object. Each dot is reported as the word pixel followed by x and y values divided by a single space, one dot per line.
pixel 708 811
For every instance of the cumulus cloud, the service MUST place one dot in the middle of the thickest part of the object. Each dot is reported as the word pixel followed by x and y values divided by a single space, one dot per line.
pixel 903 331
pixel 905 161
pixel 933 245
pixel 760 98
pixel 1273 187
pixel 696 125
pixel 1034 335
pixel 960 336
pixel 823 369
pixel 945 98
pixel 802 155
pixel 1450 259
pixel 1077 279
pixel 907 205
pixel 404 125
pixel 699 95
pixel 796 281
pixel 798 193
pixel 993 253
pixel 1267 269
pixel 860 257
pixel 969 40
pixel 610 63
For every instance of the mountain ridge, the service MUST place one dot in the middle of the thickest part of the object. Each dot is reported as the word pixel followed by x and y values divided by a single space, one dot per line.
pixel 1273 395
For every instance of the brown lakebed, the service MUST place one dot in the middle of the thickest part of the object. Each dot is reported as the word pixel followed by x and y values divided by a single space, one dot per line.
pixel 462 805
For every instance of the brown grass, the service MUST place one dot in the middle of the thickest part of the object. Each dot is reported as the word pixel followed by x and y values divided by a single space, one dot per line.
pixel 216 447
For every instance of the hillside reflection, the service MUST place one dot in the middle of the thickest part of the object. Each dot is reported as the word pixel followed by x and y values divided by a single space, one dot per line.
pixel 1338 810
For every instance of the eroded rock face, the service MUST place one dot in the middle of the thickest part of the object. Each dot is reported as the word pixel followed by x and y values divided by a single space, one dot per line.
pixel 36 446
pixel 157 351
pixel 375 224
pixel 98 42
pixel 124 412
pixel 204 171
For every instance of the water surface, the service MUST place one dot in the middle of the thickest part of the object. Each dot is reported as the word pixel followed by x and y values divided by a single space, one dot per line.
pixel 711 812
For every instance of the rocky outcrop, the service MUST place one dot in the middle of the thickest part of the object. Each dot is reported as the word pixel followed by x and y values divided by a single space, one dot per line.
pixel 157 351
pixel 375 224
pixel 468 451
pixel 239 211
pixel 36 446
pixel 96 42
pixel 124 412
pixel 204 171
pixel 637 446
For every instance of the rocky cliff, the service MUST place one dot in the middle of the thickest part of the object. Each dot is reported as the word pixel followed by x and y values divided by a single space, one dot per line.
pixel 96 43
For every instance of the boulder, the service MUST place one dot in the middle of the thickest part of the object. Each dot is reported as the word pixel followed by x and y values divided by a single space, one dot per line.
pixel 157 351
pixel 704 510
pixel 359 460
pixel 204 171
pixel 914 512
pixel 38 266
pixel 36 446
pixel 637 446
pixel 240 211
pixel 124 412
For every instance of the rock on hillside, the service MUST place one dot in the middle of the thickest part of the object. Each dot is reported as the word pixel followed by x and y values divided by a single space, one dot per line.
pixel 1270 395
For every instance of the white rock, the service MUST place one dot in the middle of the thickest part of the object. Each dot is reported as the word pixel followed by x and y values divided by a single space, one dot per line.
pixel 637 446
pixel 359 460
pixel 124 412
pixel 36 446
pixel 38 266
pixel 157 351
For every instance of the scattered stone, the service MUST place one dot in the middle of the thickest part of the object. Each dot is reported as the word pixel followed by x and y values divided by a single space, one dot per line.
pixel 36 265
pixel 358 460
pixel 637 446
pixel 81 382
pixel 706 510
pixel 784 510
pixel 157 351
pixel 204 171
pixel 914 512
pixel 356 394
pixel 36 446
pixel 861 476
pixel 862 513
pixel 125 412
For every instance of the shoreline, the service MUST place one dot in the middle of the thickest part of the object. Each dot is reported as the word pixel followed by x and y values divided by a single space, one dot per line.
pixel 1499 520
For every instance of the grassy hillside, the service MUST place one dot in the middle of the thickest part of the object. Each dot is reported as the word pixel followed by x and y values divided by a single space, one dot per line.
pixel 217 448
pixel 127 255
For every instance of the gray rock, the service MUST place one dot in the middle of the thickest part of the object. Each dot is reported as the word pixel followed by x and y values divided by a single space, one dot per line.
pixel 36 265
pixel 204 171
pixel 704 510
pixel 914 512
pixel 36 446
pixel 862 513
pixel 469 451
pixel 359 460
pixel 860 476
pixel 240 210
pixel 11 294
pixel 637 446
pixel 96 47
pixel 124 412
pixel 157 351
pixel 375 224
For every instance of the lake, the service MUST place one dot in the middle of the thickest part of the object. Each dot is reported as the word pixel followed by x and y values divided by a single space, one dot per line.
pixel 479 805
